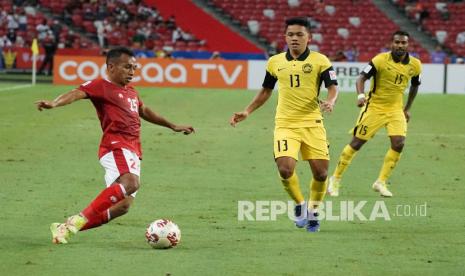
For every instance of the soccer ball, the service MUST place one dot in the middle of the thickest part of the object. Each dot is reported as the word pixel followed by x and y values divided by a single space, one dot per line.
pixel 163 233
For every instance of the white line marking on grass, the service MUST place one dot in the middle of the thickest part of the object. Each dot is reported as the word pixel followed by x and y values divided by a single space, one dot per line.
pixel 15 87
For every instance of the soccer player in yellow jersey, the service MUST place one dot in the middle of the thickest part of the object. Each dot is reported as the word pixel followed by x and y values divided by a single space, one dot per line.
pixel 298 122
pixel 390 73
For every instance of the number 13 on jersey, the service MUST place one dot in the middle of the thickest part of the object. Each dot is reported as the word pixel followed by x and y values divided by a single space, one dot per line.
pixel 295 80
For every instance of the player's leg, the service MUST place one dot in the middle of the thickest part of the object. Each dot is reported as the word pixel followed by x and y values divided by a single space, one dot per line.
pixel 119 209
pixel 122 170
pixel 397 130
pixel 347 154
pixel 122 167
pixel 318 187
pixel 286 150
pixel 368 124
pixel 391 159
pixel 91 214
pixel 346 157
pixel 290 181
pixel 315 149
pixel 286 167
pixel 126 184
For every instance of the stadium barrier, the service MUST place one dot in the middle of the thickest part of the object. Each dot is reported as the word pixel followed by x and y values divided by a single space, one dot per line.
pixel 455 79
pixel 74 70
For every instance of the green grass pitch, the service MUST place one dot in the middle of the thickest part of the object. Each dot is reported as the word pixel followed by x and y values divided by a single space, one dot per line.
pixel 49 170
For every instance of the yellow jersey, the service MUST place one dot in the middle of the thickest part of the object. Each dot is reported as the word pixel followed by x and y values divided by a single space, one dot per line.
pixel 390 78
pixel 299 81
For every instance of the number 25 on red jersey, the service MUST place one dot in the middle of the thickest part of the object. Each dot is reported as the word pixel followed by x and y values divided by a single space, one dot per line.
pixel 133 105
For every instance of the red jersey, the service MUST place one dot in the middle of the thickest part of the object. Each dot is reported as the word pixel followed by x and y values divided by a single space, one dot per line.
pixel 118 111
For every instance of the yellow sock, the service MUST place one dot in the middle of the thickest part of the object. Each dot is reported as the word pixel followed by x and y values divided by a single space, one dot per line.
pixel 292 187
pixel 345 159
pixel 317 193
pixel 390 161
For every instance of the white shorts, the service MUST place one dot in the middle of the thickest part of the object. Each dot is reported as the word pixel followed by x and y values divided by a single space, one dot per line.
pixel 119 162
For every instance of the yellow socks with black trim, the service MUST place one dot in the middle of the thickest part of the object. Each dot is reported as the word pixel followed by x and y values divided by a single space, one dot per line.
pixel 390 162
pixel 345 159
pixel 292 187
pixel 317 193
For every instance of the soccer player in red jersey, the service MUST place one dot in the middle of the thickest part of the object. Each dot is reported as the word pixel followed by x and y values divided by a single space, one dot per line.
pixel 118 108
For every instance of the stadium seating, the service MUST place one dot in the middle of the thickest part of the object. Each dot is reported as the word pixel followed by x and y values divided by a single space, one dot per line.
pixel 190 16
pixel 445 28
pixel 81 16
pixel 338 24
pixel 34 18
pixel 368 33
pixel 125 21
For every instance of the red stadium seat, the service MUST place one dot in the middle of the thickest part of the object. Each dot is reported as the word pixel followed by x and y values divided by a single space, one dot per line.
pixel 77 20
pixel 363 36
pixel 454 25
pixel 89 26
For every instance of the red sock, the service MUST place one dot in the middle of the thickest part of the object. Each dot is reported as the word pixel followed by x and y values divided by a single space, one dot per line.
pixel 103 201
pixel 96 221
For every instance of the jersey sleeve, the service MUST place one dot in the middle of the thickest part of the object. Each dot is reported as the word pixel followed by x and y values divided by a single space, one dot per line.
pixel 416 79
pixel 327 73
pixel 270 77
pixel 93 89
pixel 369 70
pixel 329 77
pixel 373 66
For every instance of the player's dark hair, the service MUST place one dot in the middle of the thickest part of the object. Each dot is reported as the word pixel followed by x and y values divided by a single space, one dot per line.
pixel 116 53
pixel 302 21
pixel 399 32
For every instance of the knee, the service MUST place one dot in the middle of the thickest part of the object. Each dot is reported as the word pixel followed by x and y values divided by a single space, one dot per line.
pixel 132 187
pixel 320 175
pixel 130 183
pixel 356 144
pixel 398 145
pixel 285 172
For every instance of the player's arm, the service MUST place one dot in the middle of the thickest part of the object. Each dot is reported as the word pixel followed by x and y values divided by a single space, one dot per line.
pixel 328 104
pixel 258 101
pixel 360 87
pixel 415 83
pixel 365 75
pixel 151 116
pixel 329 78
pixel 64 99
pixel 261 97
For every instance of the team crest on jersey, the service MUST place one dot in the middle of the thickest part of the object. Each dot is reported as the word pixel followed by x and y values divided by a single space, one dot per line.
pixel 411 72
pixel 307 68
pixel 120 95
